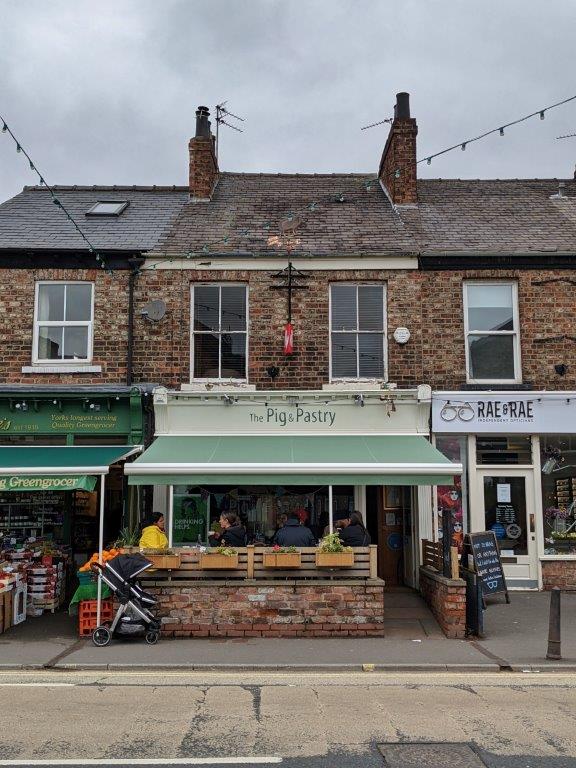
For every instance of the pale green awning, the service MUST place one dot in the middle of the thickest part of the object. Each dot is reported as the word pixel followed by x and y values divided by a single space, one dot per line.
pixel 57 467
pixel 292 460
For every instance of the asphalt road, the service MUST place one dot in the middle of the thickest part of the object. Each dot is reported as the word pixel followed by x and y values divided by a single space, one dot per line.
pixel 293 720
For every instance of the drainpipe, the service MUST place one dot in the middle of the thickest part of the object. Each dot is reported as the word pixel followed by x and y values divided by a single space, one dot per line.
pixel 135 264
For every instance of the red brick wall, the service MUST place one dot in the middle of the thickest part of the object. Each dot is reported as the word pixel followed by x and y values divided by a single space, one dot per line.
pixel 17 289
pixel 446 599
pixel 545 311
pixel 270 609
pixel 559 573
pixel 163 349
pixel 428 303
pixel 398 164
pixel 203 170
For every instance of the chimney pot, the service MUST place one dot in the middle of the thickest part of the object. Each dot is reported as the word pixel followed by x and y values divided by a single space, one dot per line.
pixel 402 111
pixel 202 122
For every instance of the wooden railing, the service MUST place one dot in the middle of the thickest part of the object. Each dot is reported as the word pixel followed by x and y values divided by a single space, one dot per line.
pixel 433 557
pixel 251 566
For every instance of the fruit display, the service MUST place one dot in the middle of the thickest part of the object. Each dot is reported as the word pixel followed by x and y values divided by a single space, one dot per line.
pixel 107 554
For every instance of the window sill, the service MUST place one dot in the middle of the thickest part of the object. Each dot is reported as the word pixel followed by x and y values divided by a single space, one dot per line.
pixel 77 368
pixel 354 384
pixel 203 385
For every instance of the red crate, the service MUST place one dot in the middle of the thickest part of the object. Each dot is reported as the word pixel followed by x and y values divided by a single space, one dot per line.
pixel 87 614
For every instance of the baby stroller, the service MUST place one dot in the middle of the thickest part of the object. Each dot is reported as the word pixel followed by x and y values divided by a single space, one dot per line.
pixel 133 616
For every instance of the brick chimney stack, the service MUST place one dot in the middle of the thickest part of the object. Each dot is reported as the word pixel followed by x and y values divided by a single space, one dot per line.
pixel 203 163
pixel 398 165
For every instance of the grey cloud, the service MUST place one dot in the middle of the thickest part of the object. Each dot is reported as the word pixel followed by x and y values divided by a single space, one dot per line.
pixel 106 92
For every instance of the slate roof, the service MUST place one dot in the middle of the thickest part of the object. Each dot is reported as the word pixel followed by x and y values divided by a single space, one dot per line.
pixel 493 216
pixel 260 214
pixel 31 220
pixel 249 212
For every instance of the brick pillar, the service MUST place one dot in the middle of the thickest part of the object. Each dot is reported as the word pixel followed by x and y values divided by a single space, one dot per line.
pixel 203 163
pixel 398 164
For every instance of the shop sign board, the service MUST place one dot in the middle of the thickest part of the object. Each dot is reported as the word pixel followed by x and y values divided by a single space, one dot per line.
pixel 503 412
pixel 44 417
pixel 314 414
pixel 47 482
pixel 482 547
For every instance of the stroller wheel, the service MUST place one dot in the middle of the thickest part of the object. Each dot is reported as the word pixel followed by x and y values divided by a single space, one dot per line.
pixel 152 637
pixel 101 637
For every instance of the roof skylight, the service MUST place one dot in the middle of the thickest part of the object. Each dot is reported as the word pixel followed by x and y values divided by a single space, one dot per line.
pixel 108 208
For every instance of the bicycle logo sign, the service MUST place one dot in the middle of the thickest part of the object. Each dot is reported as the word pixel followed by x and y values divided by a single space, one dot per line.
pixel 461 411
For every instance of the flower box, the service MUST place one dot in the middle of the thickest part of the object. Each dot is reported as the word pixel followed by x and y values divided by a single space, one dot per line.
pixel 165 562
pixel 282 559
pixel 216 561
pixel 334 559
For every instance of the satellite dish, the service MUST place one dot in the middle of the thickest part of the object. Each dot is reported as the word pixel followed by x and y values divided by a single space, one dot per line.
pixel 154 310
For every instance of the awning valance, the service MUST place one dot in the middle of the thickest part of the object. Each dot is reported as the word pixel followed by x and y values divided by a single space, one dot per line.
pixel 57 467
pixel 292 460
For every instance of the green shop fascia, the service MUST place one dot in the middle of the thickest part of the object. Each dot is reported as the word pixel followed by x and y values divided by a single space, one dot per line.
pixel 97 424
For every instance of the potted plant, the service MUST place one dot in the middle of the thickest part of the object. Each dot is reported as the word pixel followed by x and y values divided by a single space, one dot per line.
pixel 282 557
pixel 165 559
pixel 127 540
pixel 332 553
pixel 219 558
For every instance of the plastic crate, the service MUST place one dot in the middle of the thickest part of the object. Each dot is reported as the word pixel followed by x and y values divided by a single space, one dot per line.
pixel 87 614
pixel 85 577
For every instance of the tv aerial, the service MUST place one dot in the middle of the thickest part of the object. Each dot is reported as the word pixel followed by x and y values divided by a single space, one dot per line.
pixel 223 117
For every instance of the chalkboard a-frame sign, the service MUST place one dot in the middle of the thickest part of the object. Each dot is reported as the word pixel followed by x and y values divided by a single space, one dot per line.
pixel 483 546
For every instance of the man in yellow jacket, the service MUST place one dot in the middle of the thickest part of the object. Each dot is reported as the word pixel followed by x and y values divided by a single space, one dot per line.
pixel 153 536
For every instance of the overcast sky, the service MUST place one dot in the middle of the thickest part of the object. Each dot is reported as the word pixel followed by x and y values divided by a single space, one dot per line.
pixel 105 92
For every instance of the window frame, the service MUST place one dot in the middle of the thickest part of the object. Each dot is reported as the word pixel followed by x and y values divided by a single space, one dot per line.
pixel 514 333
pixel 193 332
pixel 384 331
pixel 36 360
pixel 93 211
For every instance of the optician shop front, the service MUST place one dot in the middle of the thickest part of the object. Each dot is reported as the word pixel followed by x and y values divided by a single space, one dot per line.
pixel 518 450
pixel 320 454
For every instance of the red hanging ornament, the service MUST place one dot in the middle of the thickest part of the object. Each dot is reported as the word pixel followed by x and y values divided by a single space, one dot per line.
pixel 288 339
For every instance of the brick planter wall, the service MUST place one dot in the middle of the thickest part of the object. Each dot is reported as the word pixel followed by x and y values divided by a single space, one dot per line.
pixel 446 599
pixel 271 609
pixel 559 573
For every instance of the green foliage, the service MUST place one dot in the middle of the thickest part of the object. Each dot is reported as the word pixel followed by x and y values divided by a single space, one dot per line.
pixel 331 543
pixel 128 537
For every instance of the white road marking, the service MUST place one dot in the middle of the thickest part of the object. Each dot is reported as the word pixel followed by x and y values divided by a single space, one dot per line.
pixel 37 685
pixel 153 761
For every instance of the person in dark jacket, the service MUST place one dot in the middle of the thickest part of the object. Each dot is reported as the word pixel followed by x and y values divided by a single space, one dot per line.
pixel 232 534
pixel 292 534
pixel 354 534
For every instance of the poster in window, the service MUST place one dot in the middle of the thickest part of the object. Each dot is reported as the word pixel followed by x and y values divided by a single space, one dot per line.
pixel 190 520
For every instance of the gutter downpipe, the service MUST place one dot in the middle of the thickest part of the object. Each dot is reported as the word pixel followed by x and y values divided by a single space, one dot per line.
pixel 135 263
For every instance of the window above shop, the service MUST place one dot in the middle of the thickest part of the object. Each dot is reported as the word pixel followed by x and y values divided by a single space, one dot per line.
pixel 357 331
pixel 219 332
pixel 63 320
pixel 504 449
pixel 492 332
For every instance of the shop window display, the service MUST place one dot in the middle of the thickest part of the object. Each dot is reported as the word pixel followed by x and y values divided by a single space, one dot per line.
pixel 260 508
pixel 452 499
pixel 559 494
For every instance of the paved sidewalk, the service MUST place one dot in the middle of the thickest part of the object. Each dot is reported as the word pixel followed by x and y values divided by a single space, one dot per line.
pixel 516 637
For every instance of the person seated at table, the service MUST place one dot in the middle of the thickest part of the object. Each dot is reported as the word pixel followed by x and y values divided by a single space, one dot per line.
pixel 153 536
pixel 341 520
pixel 294 534
pixel 232 533
pixel 354 534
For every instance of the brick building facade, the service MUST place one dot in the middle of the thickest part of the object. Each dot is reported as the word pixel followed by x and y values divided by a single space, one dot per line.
pixel 422 240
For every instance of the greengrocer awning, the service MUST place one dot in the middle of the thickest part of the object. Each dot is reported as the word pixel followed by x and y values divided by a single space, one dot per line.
pixel 292 460
pixel 58 468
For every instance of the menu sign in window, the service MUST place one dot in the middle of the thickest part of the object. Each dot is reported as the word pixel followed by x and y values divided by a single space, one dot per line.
pixel 487 563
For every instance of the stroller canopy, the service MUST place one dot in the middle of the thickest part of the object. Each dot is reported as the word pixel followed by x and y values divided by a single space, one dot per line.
pixel 129 566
